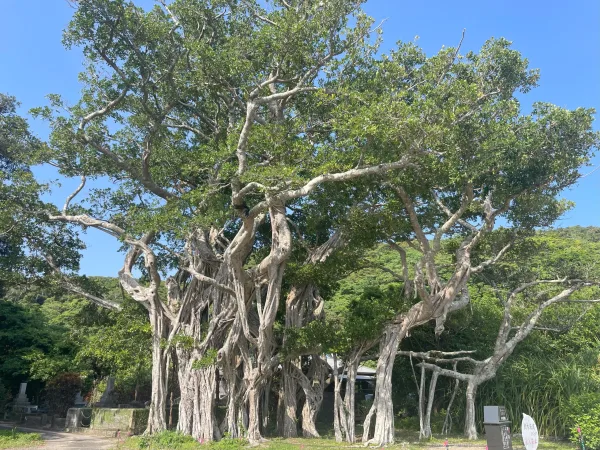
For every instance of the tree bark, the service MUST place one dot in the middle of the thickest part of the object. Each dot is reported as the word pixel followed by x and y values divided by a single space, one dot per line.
pixel 339 420
pixel 303 305
pixel 313 387
pixel 350 399
pixel 345 409
pixel 272 267
pixel 422 403
pixel 186 399
pixel 382 402
pixel 232 378
pixel 254 434
pixel 290 386
pixel 294 318
pixel 470 427
pixel 310 409
pixel 430 399
pixel 158 401
pixel 205 424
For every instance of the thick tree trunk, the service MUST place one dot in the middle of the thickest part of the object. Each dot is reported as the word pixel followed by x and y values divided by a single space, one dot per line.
pixel 272 268
pixel 290 401
pixel 186 399
pixel 205 426
pixel 158 401
pixel 254 434
pixel 350 400
pixel 345 409
pixel 304 305
pixel 313 387
pixel 310 409
pixel 296 310
pixel 382 402
pixel 160 327
pixel 430 399
pixel 339 420
pixel 228 359
pixel 470 427
pixel 233 419
pixel 236 418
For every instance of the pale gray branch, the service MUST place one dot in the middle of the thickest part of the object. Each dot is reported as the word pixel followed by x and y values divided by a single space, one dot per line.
pixel 73 195
pixel 344 176
pixel 446 372
pixel 88 221
pixel 209 281
pixel 102 111
pixel 493 260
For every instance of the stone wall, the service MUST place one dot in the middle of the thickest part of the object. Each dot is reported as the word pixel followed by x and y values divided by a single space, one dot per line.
pixel 107 420
pixel 78 418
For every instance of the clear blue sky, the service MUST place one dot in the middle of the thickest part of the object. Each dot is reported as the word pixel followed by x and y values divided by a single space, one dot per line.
pixel 562 38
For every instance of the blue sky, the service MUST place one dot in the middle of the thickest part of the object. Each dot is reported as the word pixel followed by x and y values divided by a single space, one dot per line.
pixel 562 38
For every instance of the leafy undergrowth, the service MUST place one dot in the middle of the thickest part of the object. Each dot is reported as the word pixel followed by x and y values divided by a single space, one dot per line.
pixel 17 439
pixel 171 440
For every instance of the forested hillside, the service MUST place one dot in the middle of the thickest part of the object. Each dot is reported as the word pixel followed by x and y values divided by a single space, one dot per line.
pixel 46 331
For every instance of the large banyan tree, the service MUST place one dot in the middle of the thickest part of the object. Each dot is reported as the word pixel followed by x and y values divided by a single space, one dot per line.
pixel 204 126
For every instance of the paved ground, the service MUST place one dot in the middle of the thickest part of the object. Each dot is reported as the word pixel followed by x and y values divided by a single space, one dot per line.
pixel 55 440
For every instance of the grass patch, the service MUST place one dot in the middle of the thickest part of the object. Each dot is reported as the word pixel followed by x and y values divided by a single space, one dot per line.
pixel 175 441
pixel 302 444
pixel 165 440
pixel 17 439
pixel 460 441
pixel 172 440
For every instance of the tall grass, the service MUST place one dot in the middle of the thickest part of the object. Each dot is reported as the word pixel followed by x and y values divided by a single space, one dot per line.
pixel 541 388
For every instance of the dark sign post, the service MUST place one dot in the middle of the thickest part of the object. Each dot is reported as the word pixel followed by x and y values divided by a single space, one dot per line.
pixel 497 428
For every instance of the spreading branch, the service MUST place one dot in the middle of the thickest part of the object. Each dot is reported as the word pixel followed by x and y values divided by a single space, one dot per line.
pixel 73 195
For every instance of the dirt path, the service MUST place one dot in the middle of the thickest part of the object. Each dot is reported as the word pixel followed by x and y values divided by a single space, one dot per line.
pixel 55 440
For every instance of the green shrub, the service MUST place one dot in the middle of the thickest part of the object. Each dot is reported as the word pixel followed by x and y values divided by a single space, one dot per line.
pixel 209 359
pixel 166 440
pixel 411 423
pixel 5 397
pixel 584 412
pixel 61 392
pixel 228 444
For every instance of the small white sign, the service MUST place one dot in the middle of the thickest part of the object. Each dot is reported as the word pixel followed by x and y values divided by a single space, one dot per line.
pixel 530 433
